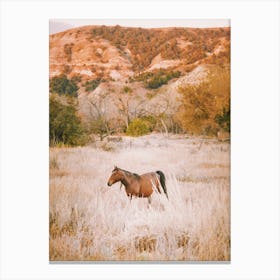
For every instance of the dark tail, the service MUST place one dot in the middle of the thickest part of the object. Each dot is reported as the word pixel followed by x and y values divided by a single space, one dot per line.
pixel 162 182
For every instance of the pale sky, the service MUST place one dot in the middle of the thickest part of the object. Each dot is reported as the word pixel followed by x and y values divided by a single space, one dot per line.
pixel 58 25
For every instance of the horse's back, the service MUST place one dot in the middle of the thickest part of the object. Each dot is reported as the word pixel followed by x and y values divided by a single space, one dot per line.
pixel 149 174
pixel 148 181
pixel 151 177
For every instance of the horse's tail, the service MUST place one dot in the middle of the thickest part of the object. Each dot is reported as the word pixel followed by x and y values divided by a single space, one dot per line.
pixel 162 181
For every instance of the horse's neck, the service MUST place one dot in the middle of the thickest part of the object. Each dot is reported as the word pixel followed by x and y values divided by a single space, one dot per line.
pixel 124 181
pixel 127 180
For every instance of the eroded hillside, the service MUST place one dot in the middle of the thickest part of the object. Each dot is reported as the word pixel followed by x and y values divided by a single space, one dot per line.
pixel 118 53
pixel 120 74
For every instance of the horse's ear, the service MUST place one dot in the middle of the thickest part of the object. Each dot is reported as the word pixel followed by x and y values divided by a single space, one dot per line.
pixel 115 167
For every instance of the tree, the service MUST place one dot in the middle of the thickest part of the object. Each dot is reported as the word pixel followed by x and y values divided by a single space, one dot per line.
pixel 203 103
pixel 64 124
pixel 98 119
pixel 123 102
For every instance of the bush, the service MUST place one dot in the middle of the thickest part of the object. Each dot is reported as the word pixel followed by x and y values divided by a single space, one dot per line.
pixel 92 85
pixel 62 86
pixel 223 119
pixel 127 89
pixel 151 121
pixel 156 79
pixel 138 127
pixel 64 125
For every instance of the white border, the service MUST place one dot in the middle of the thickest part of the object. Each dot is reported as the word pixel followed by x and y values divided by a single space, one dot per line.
pixel 255 138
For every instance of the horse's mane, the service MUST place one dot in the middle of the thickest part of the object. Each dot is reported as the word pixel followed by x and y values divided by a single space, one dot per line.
pixel 136 175
pixel 130 173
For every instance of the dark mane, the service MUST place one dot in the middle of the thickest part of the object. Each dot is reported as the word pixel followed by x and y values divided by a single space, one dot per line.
pixel 136 175
pixel 130 173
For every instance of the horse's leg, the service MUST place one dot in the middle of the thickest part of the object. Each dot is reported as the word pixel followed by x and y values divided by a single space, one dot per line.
pixel 149 202
pixel 129 195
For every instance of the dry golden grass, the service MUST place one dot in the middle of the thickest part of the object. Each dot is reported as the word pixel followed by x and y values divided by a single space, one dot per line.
pixel 91 221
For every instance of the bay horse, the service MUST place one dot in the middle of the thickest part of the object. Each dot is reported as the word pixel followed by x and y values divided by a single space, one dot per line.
pixel 138 185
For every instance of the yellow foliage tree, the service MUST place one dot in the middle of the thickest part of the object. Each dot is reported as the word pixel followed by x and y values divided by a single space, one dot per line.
pixel 201 103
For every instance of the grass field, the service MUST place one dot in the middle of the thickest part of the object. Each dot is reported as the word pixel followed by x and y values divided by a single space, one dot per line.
pixel 91 221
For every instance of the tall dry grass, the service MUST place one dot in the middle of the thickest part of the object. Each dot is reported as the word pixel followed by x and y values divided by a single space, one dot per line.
pixel 91 221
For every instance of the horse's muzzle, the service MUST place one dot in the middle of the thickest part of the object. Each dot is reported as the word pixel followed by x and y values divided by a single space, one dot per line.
pixel 109 184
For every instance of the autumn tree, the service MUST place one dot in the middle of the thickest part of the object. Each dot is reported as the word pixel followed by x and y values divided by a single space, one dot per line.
pixel 204 106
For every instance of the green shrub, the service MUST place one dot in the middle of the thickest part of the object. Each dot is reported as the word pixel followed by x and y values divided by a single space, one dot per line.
pixel 141 126
pixel 65 126
pixel 137 127
pixel 63 86
pixel 92 85
pixel 156 79
pixel 150 121
pixel 76 79
pixel 127 89
pixel 223 119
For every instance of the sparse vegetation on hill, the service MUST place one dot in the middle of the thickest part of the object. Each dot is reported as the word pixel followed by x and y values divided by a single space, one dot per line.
pixel 92 84
pixel 98 48
pixel 145 43
pixel 68 51
pixel 158 72
pixel 63 86
pixel 156 79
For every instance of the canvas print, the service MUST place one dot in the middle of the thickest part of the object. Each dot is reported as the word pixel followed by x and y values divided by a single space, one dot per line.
pixel 139 140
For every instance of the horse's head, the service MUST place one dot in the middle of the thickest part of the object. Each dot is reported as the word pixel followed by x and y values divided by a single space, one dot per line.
pixel 117 175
